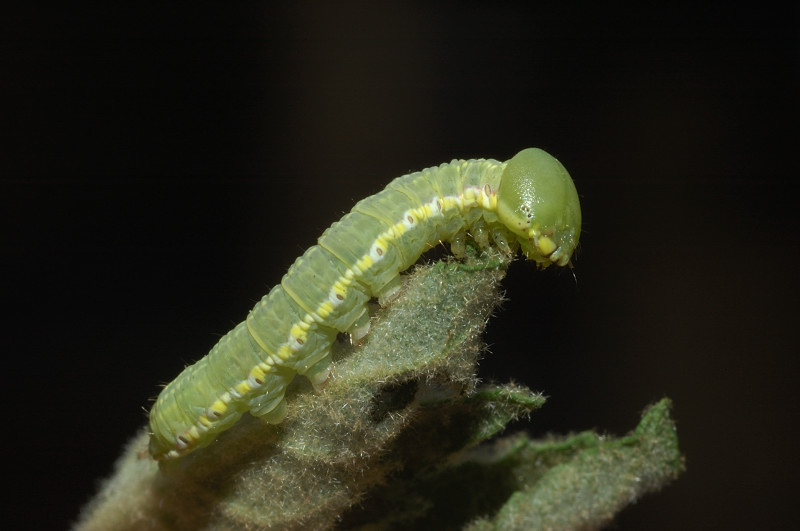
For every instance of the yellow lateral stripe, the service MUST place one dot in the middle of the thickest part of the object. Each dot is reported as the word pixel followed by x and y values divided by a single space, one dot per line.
pixel 257 373
pixel 365 262
pixel 340 288
pixel 243 387
pixel 298 332
pixel 325 309
pixel 471 196
pixel 220 406
pixel 398 229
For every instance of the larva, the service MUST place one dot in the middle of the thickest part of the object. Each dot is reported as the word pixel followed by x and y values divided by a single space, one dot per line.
pixel 528 202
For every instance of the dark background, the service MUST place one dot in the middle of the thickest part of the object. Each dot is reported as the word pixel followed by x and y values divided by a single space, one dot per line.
pixel 161 169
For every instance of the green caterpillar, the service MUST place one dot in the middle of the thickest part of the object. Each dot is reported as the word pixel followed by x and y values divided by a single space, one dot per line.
pixel 528 202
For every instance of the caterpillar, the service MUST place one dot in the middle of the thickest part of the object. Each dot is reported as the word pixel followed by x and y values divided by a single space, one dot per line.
pixel 528 202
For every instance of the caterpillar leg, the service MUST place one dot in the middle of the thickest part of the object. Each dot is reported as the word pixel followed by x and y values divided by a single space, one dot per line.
pixel 504 240
pixel 390 291
pixel 458 245
pixel 271 413
pixel 269 404
pixel 358 330
pixel 319 373
pixel 561 256
pixel 480 234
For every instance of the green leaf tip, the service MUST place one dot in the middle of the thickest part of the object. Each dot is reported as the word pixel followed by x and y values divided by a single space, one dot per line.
pixel 581 482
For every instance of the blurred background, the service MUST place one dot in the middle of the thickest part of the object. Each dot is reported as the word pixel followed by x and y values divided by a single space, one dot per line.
pixel 161 168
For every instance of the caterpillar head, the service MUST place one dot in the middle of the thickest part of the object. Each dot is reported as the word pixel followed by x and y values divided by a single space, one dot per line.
pixel 538 202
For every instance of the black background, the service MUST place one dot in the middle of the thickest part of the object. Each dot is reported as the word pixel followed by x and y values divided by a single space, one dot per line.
pixel 162 167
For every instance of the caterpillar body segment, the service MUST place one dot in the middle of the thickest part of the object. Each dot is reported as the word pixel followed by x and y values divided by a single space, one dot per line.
pixel 529 201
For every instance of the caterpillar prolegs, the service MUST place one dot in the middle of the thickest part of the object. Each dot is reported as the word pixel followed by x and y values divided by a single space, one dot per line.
pixel 527 202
